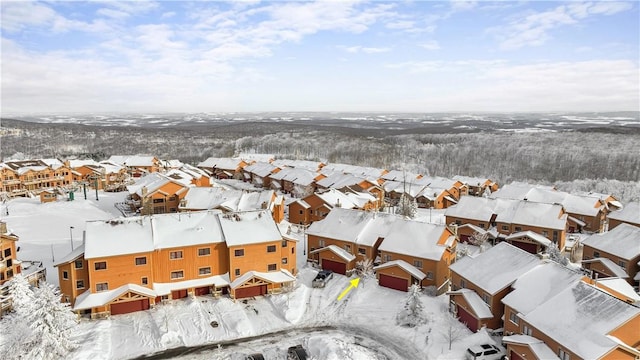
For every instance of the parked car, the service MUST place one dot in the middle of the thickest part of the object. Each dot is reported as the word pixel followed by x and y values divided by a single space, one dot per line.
pixel 256 356
pixel 296 353
pixel 322 278
pixel 485 352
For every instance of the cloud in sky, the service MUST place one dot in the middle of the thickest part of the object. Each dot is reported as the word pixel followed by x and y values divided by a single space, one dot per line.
pixel 318 56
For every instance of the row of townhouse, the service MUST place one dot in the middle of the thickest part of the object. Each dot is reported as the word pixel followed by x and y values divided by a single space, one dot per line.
pixel 404 251
pixel 131 264
pixel 546 310
pixel 30 177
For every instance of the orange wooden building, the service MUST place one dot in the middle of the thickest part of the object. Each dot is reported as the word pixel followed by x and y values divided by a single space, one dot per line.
pixel 9 264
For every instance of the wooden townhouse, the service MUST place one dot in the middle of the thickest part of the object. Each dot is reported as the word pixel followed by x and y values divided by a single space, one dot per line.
pixel 435 198
pixel 131 264
pixel 156 193
pixel 298 182
pixel 359 171
pixel 313 166
pixel 137 165
pixel 480 283
pixel 524 224
pixel 621 246
pixel 347 236
pixel 476 186
pixel 455 188
pixel 416 253
pixel 259 174
pixel 318 205
pixel 103 175
pixel 223 168
pixel 9 263
pixel 629 214
pixel 598 326
pixel 20 178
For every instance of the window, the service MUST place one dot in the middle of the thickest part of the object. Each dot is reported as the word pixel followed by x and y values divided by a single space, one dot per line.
pixel 563 355
pixel 272 267
pixel 505 227
pixel 145 281
pixel 517 229
pixel 284 261
pixel 102 287
pixel 204 271
pixel 555 236
pixel 293 250
pixel 157 201
pixel 237 272
pixel 175 255
pixel 417 263
pixel 347 247
pixel 429 275
pixel 141 260
pixel 204 252
pixel 545 233
pixel 362 251
pixel 486 299
pixel 65 275
pixel 622 264
pixel 238 252
pixel 80 284
pixel 527 331
pixel 101 265
pixel 78 264
pixel 463 284
pixel 596 254
pixel 177 274
pixel 481 225
pixel 271 248
pixel 301 212
pixel 7 252
pixel 284 243
pixel 513 317
pixel 321 243
pixel 386 257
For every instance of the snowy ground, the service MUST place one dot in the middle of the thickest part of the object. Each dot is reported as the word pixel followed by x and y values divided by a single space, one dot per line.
pixel 360 326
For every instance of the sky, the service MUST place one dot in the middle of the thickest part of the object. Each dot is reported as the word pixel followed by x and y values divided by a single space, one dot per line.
pixel 378 56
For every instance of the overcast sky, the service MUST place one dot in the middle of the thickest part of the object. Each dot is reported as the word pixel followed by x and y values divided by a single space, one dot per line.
pixel 410 56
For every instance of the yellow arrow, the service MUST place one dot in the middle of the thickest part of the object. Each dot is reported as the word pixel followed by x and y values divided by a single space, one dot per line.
pixel 354 284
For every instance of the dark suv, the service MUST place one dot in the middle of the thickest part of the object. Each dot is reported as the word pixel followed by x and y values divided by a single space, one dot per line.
pixel 322 278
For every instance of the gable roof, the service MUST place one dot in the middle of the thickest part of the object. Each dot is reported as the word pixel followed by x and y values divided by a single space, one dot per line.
pixel 630 213
pixel 342 253
pixel 261 169
pixel 152 182
pixel 607 263
pixel 496 268
pixel 622 241
pixel 531 235
pixel 72 256
pixel 538 347
pixel 416 239
pixel 251 227
pixel 341 224
pixel 278 277
pixel 220 163
pixel 479 307
pixel 412 270
pixel 590 315
pixel 88 300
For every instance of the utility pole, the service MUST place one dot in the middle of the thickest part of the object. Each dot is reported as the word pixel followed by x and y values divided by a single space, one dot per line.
pixel 71 236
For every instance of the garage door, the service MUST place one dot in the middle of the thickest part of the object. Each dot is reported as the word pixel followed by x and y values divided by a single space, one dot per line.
pixel 464 238
pixel 394 282
pixel 129 307
pixel 202 291
pixel 514 356
pixel 467 319
pixel 179 294
pixel 528 247
pixel 251 291
pixel 336 267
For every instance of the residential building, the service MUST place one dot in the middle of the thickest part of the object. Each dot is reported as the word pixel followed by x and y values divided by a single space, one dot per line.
pixel 318 205
pixel 9 263
pixel 137 165
pixel 621 245
pixel 223 168
pixel 630 214
pixel 21 178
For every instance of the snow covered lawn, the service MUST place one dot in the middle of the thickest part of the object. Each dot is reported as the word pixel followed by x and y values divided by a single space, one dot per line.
pixel 360 326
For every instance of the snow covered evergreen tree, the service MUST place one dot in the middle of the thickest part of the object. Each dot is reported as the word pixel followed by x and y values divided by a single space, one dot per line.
pixel 364 268
pixel 51 323
pixel 407 206
pixel 15 326
pixel 21 295
pixel 413 313
pixel 556 255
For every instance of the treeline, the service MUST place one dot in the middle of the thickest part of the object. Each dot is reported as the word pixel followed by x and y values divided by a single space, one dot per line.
pixel 536 157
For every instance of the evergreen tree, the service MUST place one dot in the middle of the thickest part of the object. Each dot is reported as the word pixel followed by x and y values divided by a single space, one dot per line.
pixel 556 255
pixel 15 326
pixel 413 313
pixel 364 268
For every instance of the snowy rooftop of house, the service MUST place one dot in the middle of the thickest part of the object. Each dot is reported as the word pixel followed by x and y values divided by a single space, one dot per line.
pixel 379 226
pixel 440 182
pixel 588 314
pixel 354 170
pixel 251 227
pixel 147 233
pixel 496 268
pixel 166 288
pixel 400 187
pixel 300 164
pixel 78 163
pixel 261 169
pixel 623 241
pixel 538 347
pixel 181 177
pixel 220 163
pixel 72 256
pixel 133 160
pixel 282 276
pixel 341 224
pixel 613 267
pixel 296 175
pixel 471 181
pixel 344 254
pixel 203 198
pixel 53 163
pixel 414 271
pixel 251 157
pixel 538 285
pixel 88 300
pixel 255 200
pixel 339 180
pixel 535 214
pixel 531 235
pixel 152 182
pixel 401 176
pixel 26 169
pixel 415 238
pixel 621 286
pixel 517 190
pixel 475 208
pixel 630 213
pixel 476 303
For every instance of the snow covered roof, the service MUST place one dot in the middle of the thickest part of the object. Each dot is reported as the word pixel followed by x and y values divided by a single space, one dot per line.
pixel 167 288
pixel 79 163
pixel 303 203
pixel 400 176
pixel 535 214
pixel 251 227
pixel 300 164
pixel 630 213
pixel 89 300
pixel 220 163
pixel 279 277
pixel 356 226
pixel 414 271
pixel 299 176
pixel 474 208
pixel 623 241
pixel 261 169
pixel 496 268
pixel 472 181
pixel 204 198
pixel 621 286
pixel 517 190
pixel 345 255
pixel 152 181
pixel 538 347
pixel 339 180
pixel 538 285
pixel 479 307
pixel 441 182
pixel 610 265
pixel 531 235
pixel 589 316
pixel 133 160
pixel 147 233
pixel 414 238
pixel 354 170
pixel 72 256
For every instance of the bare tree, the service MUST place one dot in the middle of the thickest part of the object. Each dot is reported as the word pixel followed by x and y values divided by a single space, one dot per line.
pixel 480 240
pixel 453 330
